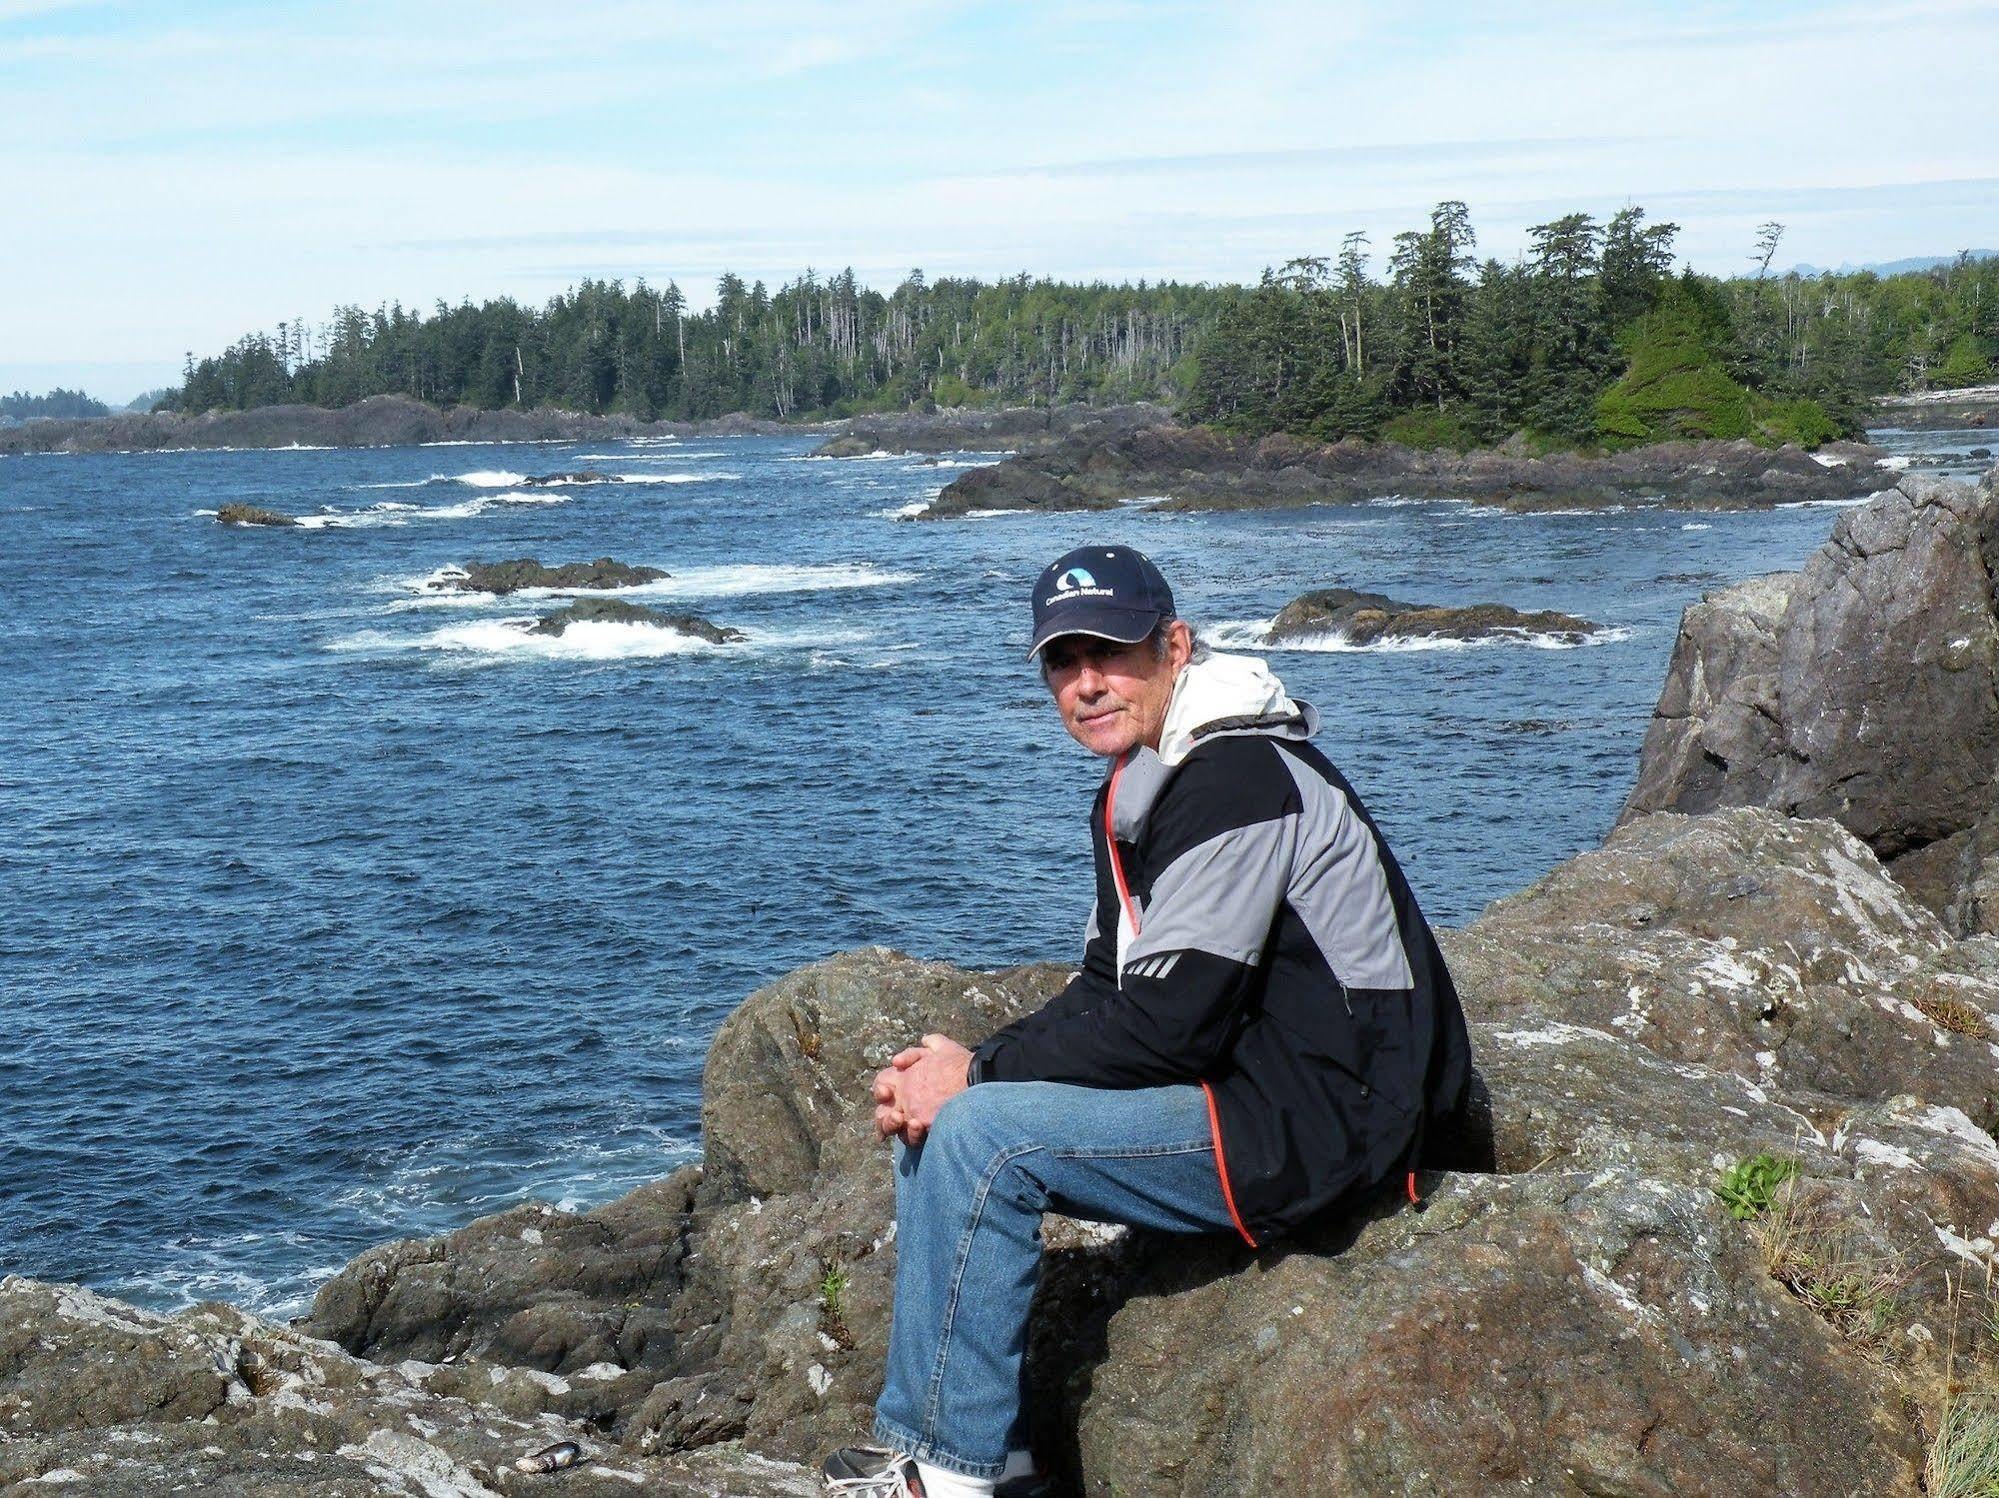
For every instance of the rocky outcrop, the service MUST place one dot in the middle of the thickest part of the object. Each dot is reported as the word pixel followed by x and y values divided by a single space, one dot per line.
pixel 617 611
pixel 580 476
pixel 970 428
pixel 242 514
pixel 511 576
pixel 378 421
pixel 1197 468
pixel 1365 618
pixel 1575 1307
pixel 1864 688
pixel 103 1399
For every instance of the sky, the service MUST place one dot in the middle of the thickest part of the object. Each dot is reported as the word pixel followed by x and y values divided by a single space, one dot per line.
pixel 178 174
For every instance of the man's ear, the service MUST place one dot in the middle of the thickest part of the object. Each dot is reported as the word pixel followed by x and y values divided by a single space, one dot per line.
pixel 1179 644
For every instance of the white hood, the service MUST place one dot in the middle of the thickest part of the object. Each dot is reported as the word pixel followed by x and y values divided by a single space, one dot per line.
pixel 1218 687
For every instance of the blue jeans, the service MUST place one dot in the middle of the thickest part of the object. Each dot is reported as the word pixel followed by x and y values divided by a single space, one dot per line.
pixel 968 1205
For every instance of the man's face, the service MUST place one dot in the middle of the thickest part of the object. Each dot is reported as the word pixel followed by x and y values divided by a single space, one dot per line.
pixel 1113 697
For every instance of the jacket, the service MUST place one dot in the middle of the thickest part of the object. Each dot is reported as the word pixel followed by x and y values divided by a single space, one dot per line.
pixel 1252 932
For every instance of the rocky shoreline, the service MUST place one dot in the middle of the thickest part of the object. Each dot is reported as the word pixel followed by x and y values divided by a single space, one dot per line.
pixel 1198 468
pixel 379 421
pixel 1722 1218
pixel 398 421
pixel 1940 409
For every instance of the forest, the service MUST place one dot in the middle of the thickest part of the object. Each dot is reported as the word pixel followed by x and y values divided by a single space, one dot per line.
pixel 1590 338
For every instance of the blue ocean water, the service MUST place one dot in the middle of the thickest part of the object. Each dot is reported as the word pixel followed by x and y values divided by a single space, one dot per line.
pixel 332 909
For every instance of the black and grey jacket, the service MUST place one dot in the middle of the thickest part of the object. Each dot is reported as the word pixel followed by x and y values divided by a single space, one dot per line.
pixel 1253 933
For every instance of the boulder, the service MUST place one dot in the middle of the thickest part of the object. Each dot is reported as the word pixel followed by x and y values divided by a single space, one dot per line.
pixel 242 514
pixel 1364 618
pixel 617 611
pixel 1865 688
pixel 510 576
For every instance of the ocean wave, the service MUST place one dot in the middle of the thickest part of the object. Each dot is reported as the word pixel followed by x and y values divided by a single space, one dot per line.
pixel 1831 504
pixel 738 580
pixel 513 638
pixel 909 511
pixel 397 512
pixel 1254 634
pixel 1696 525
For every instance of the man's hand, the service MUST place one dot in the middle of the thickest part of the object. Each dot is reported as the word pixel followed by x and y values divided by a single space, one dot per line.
pixel 916 1083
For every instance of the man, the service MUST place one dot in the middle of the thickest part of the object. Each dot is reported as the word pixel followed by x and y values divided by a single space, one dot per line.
pixel 1261 1028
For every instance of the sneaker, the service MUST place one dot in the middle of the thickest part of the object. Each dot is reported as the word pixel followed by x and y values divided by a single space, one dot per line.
pixel 871 1472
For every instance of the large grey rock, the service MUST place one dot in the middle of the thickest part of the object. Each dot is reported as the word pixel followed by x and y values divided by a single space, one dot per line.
pixel 1865 688
pixel 618 611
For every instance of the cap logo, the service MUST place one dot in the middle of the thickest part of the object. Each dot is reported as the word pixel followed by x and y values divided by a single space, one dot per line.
pixel 1073 579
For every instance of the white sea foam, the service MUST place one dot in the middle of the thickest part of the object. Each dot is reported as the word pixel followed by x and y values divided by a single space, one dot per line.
pixel 488 478
pixel 909 511
pixel 1828 504
pixel 491 641
pixel 740 580
pixel 395 512
pixel 1254 634
pixel 1696 525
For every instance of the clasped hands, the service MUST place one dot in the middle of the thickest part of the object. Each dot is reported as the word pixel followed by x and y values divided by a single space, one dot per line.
pixel 915 1084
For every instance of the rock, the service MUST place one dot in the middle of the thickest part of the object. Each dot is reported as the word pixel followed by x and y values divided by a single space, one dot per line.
pixel 529 572
pixel 846 445
pixel 581 476
pixel 1958 877
pixel 1979 452
pixel 617 611
pixel 1865 688
pixel 242 514
pixel 1197 468
pixel 1363 618
pixel 102 1398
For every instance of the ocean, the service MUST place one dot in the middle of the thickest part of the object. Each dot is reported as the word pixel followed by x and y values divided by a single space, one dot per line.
pixel 336 908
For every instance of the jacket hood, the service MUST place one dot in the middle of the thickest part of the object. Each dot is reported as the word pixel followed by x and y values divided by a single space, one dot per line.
pixel 1216 695
pixel 1229 694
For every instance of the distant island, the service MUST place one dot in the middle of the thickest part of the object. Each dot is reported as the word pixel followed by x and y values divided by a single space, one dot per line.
pixel 1589 343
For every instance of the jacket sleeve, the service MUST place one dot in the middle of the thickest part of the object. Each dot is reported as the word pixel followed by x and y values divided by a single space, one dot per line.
pixel 1223 850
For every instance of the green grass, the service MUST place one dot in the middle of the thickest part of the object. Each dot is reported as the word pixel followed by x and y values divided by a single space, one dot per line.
pixel 1963 1459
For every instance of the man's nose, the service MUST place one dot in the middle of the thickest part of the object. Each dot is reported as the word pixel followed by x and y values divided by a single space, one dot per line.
pixel 1089 680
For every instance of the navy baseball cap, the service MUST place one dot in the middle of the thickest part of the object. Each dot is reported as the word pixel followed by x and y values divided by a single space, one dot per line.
pixel 1111 592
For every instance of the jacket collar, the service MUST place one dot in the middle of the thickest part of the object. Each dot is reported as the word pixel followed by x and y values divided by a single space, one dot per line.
pixel 1215 696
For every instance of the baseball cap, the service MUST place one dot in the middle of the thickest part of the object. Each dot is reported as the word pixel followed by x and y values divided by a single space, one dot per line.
pixel 1111 592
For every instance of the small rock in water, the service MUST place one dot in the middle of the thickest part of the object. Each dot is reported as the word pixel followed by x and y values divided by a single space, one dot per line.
pixel 551 1458
pixel 241 514
pixel 501 578
pixel 617 611
pixel 581 476
pixel 1363 618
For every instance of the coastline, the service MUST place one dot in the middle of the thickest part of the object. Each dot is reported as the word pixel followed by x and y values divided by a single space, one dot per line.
pixel 1723 981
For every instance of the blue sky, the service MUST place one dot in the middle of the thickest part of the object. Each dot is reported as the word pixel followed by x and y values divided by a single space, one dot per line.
pixel 178 174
